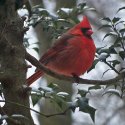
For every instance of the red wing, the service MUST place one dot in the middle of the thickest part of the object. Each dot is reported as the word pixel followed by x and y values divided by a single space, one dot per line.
pixel 60 45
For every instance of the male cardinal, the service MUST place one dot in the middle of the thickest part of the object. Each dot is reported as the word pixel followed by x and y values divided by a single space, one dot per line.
pixel 72 54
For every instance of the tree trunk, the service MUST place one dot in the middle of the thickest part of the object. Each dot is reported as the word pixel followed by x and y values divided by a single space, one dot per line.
pixel 13 66
pixel 45 42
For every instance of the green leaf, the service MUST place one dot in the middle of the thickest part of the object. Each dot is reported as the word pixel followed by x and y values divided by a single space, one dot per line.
pixel 82 5
pixel 53 86
pixel 63 95
pixel 86 108
pixel 106 19
pixel 44 13
pixel 35 98
pixel 104 51
pixel 59 100
pixel 105 26
pixel 109 34
pixel 62 13
pixel 112 50
pixel 112 91
pixel 93 65
pixel 94 87
pixel 122 30
pixel 122 8
pixel 115 62
pixel 82 92
pixel 119 22
pixel 117 45
pixel 98 49
pixel 117 41
pixel 122 54
pixel 115 19
pixel 36 49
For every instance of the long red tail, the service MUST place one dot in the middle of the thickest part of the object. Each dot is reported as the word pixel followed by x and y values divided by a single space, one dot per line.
pixel 34 77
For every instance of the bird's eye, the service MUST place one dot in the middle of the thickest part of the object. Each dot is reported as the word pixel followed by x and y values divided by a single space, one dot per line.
pixel 87 31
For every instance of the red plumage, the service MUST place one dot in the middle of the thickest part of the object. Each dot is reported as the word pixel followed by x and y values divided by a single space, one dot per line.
pixel 73 52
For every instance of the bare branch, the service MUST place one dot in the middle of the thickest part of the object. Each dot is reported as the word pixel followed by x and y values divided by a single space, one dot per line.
pixel 44 115
pixel 37 64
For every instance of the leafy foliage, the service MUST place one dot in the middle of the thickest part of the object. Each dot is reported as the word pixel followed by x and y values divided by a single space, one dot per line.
pixel 116 28
pixel 117 46
pixel 59 23
pixel 86 108
pixel 52 93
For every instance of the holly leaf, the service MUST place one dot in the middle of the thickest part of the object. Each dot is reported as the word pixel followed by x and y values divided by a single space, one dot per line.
pixel 105 26
pixel 115 19
pixel 117 41
pixel 35 98
pixel 82 92
pixel 106 19
pixel 112 91
pixel 36 49
pixel 86 108
pixel 62 13
pixel 53 86
pixel 63 95
pixel 122 54
pixel 109 34
pixel 122 8
pixel 122 30
pixel 115 62
pixel 59 100
pixel 112 50
pixel 94 87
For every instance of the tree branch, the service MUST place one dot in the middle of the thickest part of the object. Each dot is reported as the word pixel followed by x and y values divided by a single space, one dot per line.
pixel 37 64
pixel 28 108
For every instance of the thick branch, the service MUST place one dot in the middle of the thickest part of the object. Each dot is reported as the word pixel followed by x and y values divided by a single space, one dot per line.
pixel 37 64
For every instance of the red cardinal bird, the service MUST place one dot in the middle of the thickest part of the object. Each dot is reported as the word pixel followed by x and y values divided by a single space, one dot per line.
pixel 73 53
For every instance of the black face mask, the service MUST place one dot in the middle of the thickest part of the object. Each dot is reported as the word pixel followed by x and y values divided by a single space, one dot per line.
pixel 85 32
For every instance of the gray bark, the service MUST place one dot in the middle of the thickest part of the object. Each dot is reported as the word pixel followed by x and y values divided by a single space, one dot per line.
pixel 13 65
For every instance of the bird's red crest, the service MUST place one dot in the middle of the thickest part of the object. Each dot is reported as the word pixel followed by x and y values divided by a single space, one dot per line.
pixel 83 24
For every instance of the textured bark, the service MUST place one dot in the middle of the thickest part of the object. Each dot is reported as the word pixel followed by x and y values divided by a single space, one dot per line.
pixel 13 65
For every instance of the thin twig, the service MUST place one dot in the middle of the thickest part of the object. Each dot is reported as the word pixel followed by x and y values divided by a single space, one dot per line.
pixel 45 115
pixel 111 67
pixel 17 104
